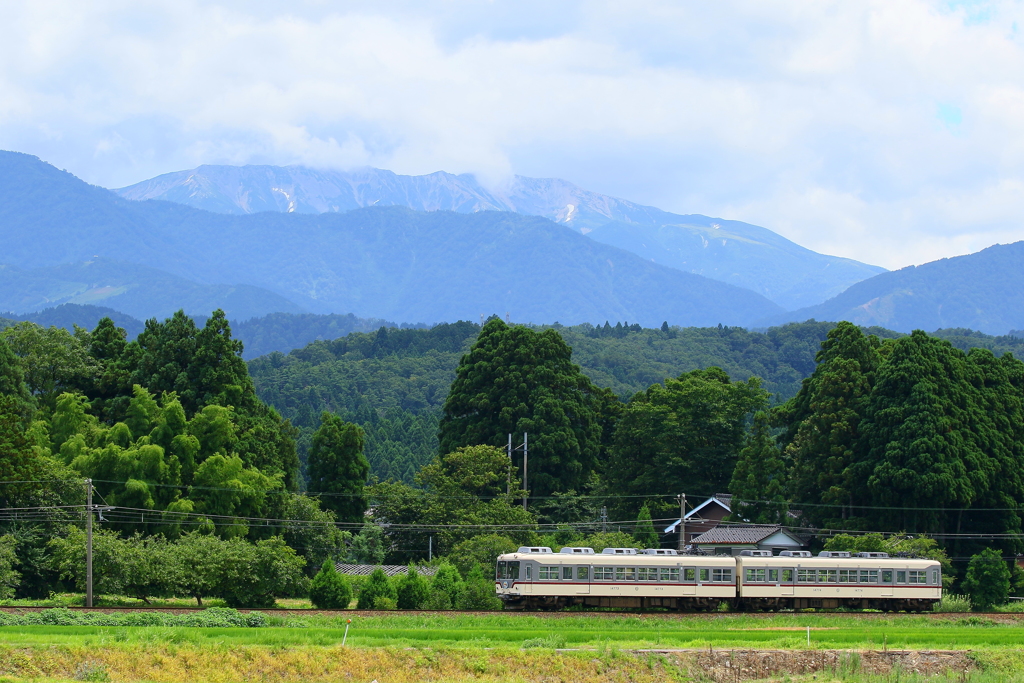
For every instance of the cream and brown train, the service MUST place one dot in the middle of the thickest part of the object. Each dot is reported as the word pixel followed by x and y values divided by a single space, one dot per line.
pixel 537 578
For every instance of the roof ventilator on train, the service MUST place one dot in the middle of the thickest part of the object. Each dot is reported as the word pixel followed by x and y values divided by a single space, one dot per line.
pixel 534 549
pixel 619 551
pixel 795 553
pixel 756 553
pixel 834 553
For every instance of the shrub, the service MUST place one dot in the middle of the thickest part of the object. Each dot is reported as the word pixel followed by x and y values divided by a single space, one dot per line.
pixel 329 589
pixel 384 603
pixel 376 586
pixel 953 603
pixel 445 589
pixel 478 592
pixel 413 590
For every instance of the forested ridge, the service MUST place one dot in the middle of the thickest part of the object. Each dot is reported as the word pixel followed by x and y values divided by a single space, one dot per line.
pixel 820 426
pixel 393 382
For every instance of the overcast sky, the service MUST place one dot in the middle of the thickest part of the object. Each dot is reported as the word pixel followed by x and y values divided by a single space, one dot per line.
pixel 891 132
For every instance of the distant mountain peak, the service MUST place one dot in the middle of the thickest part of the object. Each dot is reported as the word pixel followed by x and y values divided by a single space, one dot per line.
pixel 741 254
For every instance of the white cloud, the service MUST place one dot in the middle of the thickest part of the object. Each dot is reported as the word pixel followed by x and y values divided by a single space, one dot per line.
pixel 889 131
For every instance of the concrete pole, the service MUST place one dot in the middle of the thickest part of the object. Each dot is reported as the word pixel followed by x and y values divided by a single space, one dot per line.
pixel 682 522
pixel 88 542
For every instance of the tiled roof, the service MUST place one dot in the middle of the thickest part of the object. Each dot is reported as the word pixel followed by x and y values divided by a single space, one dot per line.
pixel 736 534
pixel 389 569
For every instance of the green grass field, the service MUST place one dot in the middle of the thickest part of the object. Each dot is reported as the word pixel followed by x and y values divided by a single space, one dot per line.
pixel 401 648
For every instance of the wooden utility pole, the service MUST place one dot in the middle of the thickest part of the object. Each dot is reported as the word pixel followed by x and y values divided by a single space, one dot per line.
pixel 526 456
pixel 88 542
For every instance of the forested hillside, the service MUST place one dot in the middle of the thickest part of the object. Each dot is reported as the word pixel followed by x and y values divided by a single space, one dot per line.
pixel 394 382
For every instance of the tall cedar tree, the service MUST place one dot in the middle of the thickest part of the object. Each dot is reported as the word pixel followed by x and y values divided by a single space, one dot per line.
pixel 644 533
pixel 516 380
pixel 824 440
pixel 338 468
pixel 759 480
pixel 682 436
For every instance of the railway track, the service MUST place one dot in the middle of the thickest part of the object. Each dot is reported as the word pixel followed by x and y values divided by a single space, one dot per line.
pixel 287 611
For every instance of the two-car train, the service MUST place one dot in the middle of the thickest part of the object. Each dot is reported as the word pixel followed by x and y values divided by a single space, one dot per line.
pixel 537 578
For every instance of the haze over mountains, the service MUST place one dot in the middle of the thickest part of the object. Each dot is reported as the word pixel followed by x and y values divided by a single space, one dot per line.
pixel 383 262
pixel 731 251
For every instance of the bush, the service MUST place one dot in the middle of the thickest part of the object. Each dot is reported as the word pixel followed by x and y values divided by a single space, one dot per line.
pixel 445 589
pixel 480 550
pixel 413 590
pixel 329 589
pixel 953 603
pixel 987 580
pixel 478 592
pixel 384 603
pixel 376 586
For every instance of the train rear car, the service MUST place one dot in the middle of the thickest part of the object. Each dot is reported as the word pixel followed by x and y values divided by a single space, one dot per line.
pixel 796 580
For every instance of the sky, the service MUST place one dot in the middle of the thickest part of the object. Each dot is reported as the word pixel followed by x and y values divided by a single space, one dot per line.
pixel 887 131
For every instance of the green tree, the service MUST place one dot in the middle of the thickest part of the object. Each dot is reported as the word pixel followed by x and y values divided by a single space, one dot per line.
pixel 478 592
pixel 759 481
pixel 9 576
pixel 413 589
pixel 917 545
pixel 337 467
pixel 255 574
pixel 644 534
pixel 445 588
pixel 987 580
pixel 516 380
pixel 329 589
pixel 138 567
pixel 196 562
pixel 53 359
pixel 311 531
pixel 377 586
pixel 683 435
pixel 482 550
pixel 368 546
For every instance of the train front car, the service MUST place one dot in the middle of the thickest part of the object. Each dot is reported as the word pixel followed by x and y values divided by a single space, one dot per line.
pixel 537 578
pixel 796 580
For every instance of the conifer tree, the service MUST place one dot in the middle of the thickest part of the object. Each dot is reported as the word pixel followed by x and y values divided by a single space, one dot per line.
pixel 759 480
pixel 644 533
pixel 987 580
pixel 329 589
pixel 338 468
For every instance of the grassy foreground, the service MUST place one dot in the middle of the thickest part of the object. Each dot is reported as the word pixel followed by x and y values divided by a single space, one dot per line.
pixel 400 648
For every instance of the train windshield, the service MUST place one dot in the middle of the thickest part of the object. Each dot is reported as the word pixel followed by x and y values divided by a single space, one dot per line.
pixel 508 570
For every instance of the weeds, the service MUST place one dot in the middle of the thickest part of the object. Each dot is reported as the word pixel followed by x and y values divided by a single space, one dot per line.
pixel 953 603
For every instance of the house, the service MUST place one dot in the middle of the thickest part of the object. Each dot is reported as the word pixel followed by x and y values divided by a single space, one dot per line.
pixel 733 538
pixel 704 517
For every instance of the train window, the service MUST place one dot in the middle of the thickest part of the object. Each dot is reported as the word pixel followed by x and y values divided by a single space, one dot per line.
pixel 548 573
pixel 773 576
pixel 567 573
pixel 847 576
pixel 512 572
pixel 630 573
pixel 935 577
pixel 901 577
pixel 886 576
pixel 604 573
pixel 673 574
pixel 642 573
pixel 918 576
pixel 620 573
pixel 665 575
pixel 690 574
pixel 529 570
pixel 755 575
pixel 805 575
pixel 705 575
pixel 583 573
pixel 721 575
pixel 787 576
pixel 827 575
pixel 502 569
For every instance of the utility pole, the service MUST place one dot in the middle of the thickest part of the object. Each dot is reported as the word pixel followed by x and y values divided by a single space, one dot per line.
pixel 604 518
pixel 526 456
pixel 682 522
pixel 88 543
pixel 508 477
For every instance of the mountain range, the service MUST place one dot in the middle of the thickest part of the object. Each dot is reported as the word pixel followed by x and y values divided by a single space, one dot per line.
pixel 741 254
pixel 381 262
pixel 982 291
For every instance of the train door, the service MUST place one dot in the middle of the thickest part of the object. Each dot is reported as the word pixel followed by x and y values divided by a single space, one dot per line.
pixel 689 580
pixel 529 576
pixel 583 579
pixel 787 580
